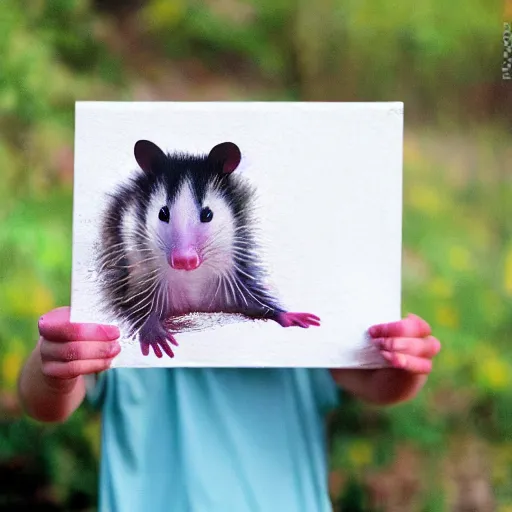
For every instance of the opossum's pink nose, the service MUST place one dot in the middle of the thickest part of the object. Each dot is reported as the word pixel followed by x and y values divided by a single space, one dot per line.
pixel 184 260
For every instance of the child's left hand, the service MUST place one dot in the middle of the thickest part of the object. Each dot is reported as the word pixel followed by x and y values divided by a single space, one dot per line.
pixel 407 344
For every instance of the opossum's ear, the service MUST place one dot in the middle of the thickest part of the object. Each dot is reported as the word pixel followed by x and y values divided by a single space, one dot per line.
pixel 227 154
pixel 146 153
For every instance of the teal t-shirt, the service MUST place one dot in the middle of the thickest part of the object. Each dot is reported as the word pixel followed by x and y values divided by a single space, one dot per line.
pixel 207 440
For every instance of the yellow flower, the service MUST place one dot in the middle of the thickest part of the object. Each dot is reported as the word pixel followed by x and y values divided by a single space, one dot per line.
pixel 446 316
pixel 360 453
pixel 441 288
pixel 23 302
pixel 501 456
pixel 92 432
pixel 11 366
pixel 425 199
pixel 412 154
pixel 495 372
pixel 42 300
pixel 450 358
pixel 163 14
pixel 508 272
pixel 460 258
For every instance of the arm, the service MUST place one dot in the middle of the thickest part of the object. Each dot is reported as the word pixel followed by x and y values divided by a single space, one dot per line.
pixel 51 384
pixel 409 348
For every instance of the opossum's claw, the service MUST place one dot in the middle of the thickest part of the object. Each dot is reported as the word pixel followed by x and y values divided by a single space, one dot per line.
pixel 159 340
pixel 303 320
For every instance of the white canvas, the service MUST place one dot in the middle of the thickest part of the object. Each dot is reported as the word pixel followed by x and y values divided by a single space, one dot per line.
pixel 329 186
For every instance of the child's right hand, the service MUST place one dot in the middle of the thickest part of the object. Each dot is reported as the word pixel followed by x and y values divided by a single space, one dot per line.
pixel 69 350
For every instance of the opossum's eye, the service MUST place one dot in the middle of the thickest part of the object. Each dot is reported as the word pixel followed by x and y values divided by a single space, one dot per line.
pixel 163 214
pixel 206 215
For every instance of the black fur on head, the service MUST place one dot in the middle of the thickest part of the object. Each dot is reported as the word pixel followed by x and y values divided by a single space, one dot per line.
pixel 171 170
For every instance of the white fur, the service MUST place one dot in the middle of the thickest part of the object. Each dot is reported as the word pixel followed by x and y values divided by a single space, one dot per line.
pixel 194 290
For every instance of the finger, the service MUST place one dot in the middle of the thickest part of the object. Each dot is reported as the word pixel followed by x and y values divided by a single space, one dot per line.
pixel 172 339
pixel 72 369
pixel 419 347
pixel 79 350
pixel 410 327
pixel 313 320
pixel 167 349
pixel 157 350
pixel 145 348
pixel 409 363
pixel 55 326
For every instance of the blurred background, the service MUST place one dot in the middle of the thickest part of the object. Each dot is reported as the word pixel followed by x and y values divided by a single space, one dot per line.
pixel 448 450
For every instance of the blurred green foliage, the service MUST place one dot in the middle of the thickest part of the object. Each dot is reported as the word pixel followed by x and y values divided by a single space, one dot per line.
pixel 430 54
pixel 443 61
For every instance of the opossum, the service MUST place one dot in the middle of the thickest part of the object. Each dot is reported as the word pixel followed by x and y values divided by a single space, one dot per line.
pixel 179 238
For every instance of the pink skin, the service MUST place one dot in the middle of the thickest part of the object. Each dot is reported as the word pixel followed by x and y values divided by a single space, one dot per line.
pixel 303 320
pixel 69 350
pixel 184 259
pixel 407 344
pixel 159 341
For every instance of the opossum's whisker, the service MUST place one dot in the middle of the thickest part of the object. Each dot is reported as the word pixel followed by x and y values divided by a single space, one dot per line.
pixel 122 282
pixel 244 260
pixel 245 246
pixel 136 326
pixel 151 310
pixel 113 257
pixel 133 312
pixel 140 231
pixel 247 249
pixel 238 269
pixel 138 239
pixel 144 291
pixel 215 293
pixel 233 278
pixel 208 245
pixel 247 230
pixel 244 255
pixel 231 288
pixel 138 263
pixel 121 246
pixel 225 288
pixel 162 292
pixel 148 282
pixel 156 300
pixel 252 295
pixel 119 253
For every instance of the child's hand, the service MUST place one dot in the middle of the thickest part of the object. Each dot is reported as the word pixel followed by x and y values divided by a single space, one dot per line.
pixel 70 350
pixel 407 344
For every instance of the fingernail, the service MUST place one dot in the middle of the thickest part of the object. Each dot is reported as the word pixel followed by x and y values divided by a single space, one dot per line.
pixel 110 331
pixel 115 348
pixel 373 331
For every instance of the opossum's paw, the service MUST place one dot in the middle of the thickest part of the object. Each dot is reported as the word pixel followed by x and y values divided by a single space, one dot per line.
pixel 304 320
pixel 158 339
